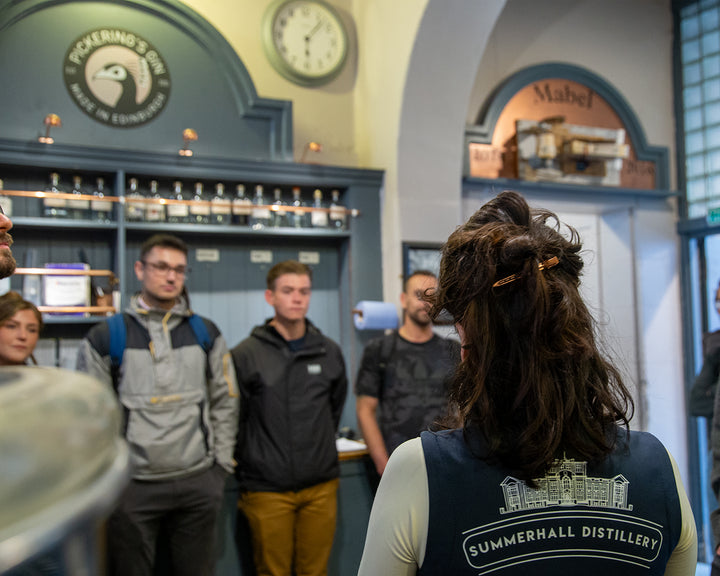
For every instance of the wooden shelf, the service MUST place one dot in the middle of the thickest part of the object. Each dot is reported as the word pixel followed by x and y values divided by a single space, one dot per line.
pixel 354 213
pixel 62 272
pixel 77 309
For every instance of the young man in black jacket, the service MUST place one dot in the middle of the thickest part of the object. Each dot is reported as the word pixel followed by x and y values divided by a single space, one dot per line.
pixel 293 385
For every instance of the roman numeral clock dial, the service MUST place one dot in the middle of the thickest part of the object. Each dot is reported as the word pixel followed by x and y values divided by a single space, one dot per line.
pixel 305 41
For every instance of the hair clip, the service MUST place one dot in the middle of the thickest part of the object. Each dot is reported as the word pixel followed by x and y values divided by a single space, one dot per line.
pixel 549 263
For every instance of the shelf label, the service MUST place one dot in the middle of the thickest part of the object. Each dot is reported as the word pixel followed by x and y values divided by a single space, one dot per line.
pixel 309 257
pixel 261 256
pixel 207 255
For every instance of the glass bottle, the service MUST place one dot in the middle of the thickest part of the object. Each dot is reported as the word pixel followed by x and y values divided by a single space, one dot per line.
pixel 241 207
pixel 54 207
pixel 260 217
pixel 177 213
pixel 5 201
pixel 299 217
pixel 279 213
pixel 155 210
pixel 199 209
pixel 337 216
pixel 78 208
pixel 100 208
pixel 134 210
pixel 220 206
pixel 318 218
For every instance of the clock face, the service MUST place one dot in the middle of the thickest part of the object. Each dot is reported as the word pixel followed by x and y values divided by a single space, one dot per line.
pixel 307 41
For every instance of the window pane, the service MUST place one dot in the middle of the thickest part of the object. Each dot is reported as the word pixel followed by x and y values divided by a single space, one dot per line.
pixel 712 137
pixel 713 190
pixel 711 43
pixel 691 50
pixel 711 90
pixel 712 113
pixel 689 27
pixel 711 66
pixel 693 119
pixel 695 166
pixel 697 211
pixel 694 143
pixel 688 10
pixel 714 161
pixel 709 19
pixel 695 190
pixel 691 75
pixel 692 96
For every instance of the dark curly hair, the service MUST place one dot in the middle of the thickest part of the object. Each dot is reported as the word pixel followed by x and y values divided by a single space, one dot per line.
pixel 532 380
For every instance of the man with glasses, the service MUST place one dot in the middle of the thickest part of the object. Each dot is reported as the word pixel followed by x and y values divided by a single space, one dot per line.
pixel 7 262
pixel 176 383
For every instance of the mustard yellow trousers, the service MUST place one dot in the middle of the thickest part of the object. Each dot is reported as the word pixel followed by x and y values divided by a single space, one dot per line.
pixel 292 529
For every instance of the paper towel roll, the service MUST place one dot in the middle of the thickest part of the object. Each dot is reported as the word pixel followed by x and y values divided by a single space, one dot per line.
pixel 370 315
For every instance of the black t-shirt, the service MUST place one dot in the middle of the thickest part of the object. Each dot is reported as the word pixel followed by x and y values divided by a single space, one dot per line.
pixel 412 389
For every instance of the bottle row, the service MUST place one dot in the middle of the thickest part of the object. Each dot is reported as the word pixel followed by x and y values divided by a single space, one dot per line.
pixel 198 206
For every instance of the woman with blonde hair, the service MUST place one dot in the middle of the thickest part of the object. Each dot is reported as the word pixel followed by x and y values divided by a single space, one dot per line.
pixel 543 476
pixel 20 326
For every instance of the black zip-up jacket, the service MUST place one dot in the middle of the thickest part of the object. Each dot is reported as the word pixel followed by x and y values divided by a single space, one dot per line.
pixel 291 405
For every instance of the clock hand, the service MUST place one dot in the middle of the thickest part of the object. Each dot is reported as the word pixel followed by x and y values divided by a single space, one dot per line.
pixel 315 29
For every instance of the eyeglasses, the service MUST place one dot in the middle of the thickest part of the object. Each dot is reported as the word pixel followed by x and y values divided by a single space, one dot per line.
pixel 164 268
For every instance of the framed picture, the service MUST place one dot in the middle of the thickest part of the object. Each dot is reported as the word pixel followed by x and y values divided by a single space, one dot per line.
pixel 419 256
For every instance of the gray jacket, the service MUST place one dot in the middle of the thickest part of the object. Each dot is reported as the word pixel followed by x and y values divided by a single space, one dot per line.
pixel 181 405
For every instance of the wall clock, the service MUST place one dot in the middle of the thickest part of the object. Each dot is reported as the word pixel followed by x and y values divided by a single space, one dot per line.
pixel 305 40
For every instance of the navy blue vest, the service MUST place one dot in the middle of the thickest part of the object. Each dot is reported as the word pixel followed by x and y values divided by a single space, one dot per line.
pixel 620 516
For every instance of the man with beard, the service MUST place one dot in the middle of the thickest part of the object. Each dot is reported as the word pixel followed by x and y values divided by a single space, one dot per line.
pixel 400 386
pixel 7 262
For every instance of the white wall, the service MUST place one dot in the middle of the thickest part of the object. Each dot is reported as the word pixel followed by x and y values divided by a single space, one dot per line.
pixel 421 69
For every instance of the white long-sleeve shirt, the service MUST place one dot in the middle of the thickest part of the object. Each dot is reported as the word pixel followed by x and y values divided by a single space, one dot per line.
pixel 397 532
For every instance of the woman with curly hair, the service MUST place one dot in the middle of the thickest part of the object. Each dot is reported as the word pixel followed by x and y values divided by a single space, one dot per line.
pixel 543 476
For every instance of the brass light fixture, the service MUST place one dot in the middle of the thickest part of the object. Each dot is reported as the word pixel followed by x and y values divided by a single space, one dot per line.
pixel 189 135
pixel 51 121
pixel 310 147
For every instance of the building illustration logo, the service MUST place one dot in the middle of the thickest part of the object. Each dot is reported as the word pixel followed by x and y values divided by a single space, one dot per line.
pixel 568 514
pixel 116 77
pixel 566 484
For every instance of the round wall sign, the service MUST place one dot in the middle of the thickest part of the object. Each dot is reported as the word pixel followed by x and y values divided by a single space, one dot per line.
pixel 116 77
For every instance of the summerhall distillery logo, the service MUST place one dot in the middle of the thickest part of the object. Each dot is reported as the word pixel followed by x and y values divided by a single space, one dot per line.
pixel 117 77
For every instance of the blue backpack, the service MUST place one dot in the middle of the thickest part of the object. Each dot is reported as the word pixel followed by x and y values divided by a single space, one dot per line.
pixel 118 339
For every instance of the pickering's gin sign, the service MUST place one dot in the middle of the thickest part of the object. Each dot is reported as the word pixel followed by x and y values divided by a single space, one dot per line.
pixel 116 77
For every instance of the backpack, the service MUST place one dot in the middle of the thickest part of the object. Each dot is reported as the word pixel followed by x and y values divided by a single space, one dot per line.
pixel 118 339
